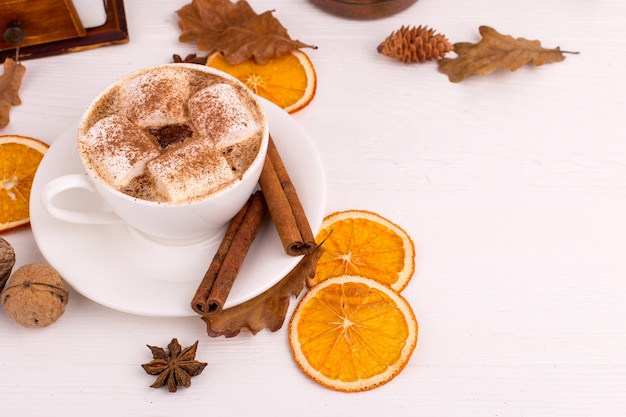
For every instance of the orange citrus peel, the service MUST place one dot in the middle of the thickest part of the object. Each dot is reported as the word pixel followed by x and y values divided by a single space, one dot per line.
pixel 288 81
pixel 359 242
pixel 19 159
pixel 352 333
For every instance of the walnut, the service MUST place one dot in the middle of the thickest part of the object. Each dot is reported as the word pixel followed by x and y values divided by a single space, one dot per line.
pixel 34 296
pixel 7 260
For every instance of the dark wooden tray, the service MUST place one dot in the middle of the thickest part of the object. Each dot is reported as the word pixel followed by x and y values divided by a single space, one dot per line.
pixel 113 32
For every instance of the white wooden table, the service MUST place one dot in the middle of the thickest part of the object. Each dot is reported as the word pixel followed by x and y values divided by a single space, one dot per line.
pixel 512 185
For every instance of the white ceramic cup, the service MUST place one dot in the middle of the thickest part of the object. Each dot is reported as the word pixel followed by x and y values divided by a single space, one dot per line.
pixel 164 222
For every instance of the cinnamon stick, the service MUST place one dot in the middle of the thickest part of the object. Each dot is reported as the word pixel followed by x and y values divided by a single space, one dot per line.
pixel 284 205
pixel 227 261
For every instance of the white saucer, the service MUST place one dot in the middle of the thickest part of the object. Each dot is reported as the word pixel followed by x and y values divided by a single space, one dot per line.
pixel 113 267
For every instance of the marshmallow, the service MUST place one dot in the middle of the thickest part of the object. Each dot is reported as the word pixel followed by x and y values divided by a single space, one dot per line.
pixel 218 112
pixel 155 99
pixel 191 170
pixel 119 149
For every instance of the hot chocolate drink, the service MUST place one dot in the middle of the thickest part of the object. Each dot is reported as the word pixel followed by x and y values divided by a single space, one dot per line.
pixel 175 134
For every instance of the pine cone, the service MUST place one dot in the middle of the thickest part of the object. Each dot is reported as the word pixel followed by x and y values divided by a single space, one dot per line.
pixel 417 44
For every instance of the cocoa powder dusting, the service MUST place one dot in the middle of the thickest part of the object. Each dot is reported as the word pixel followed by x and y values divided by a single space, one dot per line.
pixel 241 155
pixel 143 187
pixel 194 165
pixel 171 134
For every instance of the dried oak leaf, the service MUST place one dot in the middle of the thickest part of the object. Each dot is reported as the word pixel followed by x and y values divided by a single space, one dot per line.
pixel 235 30
pixel 267 310
pixel 174 367
pixel 10 83
pixel 495 51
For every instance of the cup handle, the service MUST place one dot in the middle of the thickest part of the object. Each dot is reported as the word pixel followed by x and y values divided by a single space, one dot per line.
pixel 68 182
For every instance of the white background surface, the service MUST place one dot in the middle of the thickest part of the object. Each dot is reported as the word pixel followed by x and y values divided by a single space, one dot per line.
pixel 512 186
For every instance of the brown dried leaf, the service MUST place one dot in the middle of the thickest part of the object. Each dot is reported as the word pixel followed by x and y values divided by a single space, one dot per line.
pixel 235 30
pixel 495 51
pixel 10 83
pixel 267 310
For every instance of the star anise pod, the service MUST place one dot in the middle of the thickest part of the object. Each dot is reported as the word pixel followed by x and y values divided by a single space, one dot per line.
pixel 174 367
pixel 190 59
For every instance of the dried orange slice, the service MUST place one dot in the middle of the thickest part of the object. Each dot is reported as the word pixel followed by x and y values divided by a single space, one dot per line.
pixel 289 81
pixel 352 333
pixel 359 242
pixel 19 158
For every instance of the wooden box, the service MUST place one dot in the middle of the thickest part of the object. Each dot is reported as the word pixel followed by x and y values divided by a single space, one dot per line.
pixel 52 27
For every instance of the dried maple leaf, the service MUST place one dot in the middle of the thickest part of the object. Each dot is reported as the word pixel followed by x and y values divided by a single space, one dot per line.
pixel 235 30
pixel 10 83
pixel 174 367
pixel 495 51
pixel 267 310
